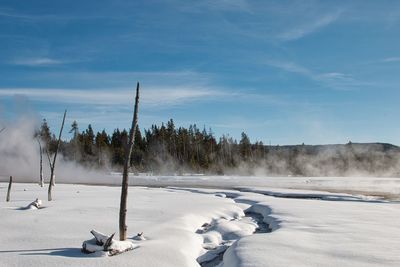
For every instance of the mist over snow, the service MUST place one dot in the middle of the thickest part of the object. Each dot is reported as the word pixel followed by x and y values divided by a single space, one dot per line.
pixel 20 157
pixel 19 151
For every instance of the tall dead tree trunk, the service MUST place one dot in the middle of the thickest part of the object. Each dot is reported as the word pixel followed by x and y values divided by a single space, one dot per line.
pixel 125 174
pixel 9 189
pixel 41 180
pixel 53 164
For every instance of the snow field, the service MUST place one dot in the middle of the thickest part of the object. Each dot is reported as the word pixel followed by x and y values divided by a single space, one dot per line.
pixel 53 235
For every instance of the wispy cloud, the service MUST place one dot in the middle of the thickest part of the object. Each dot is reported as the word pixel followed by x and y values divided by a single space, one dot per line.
pixel 37 62
pixel 290 67
pixel 239 122
pixel 215 5
pixel 13 14
pixel 302 29
pixel 154 97
pixel 10 14
pixel 335 80
pixel 391 59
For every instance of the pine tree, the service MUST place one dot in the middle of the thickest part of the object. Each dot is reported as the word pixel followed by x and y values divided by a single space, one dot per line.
pixel 245 146
pixel 45 133
pixel 88 141
pixel 102 142
pixel 74 130
pixel 75 141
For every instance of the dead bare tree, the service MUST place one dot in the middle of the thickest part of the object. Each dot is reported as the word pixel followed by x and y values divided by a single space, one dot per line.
pixel 41 180
pixel 50 164
pixel 9 189
pixel 125 174
pixel 53 164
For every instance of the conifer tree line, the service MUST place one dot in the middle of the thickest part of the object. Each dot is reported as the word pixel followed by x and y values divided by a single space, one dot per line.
pixel 159 149
pixel 167 149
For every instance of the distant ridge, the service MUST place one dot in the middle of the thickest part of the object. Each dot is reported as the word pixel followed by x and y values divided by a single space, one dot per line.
pixel 373 146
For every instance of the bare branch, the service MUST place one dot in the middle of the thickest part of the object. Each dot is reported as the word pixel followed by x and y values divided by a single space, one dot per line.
pixel 59 138
pixel 52 166
pixel 48 157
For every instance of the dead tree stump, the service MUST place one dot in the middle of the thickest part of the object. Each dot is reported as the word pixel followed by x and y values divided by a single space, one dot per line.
pixel 125 173
pixel 41 180
pixel 9 190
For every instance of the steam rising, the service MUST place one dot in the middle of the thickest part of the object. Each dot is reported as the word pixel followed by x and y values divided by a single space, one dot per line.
pixel 352 159
pixel 19 153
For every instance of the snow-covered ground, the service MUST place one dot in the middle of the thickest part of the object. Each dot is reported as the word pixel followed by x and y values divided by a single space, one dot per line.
pixel 183 225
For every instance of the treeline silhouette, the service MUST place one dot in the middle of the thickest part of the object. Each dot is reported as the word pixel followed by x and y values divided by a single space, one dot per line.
pixel 168 149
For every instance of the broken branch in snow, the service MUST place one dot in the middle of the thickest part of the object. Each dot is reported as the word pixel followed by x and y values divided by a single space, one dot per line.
pixel 34 205
pixel 107 244
pixel 139 237
pixel 100 238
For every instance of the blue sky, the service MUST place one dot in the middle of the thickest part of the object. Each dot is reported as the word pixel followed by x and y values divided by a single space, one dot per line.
pixel 286 72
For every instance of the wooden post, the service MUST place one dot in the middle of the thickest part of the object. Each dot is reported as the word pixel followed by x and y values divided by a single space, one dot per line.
pixel 52 165
pixel 9 189
pixel 125 174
